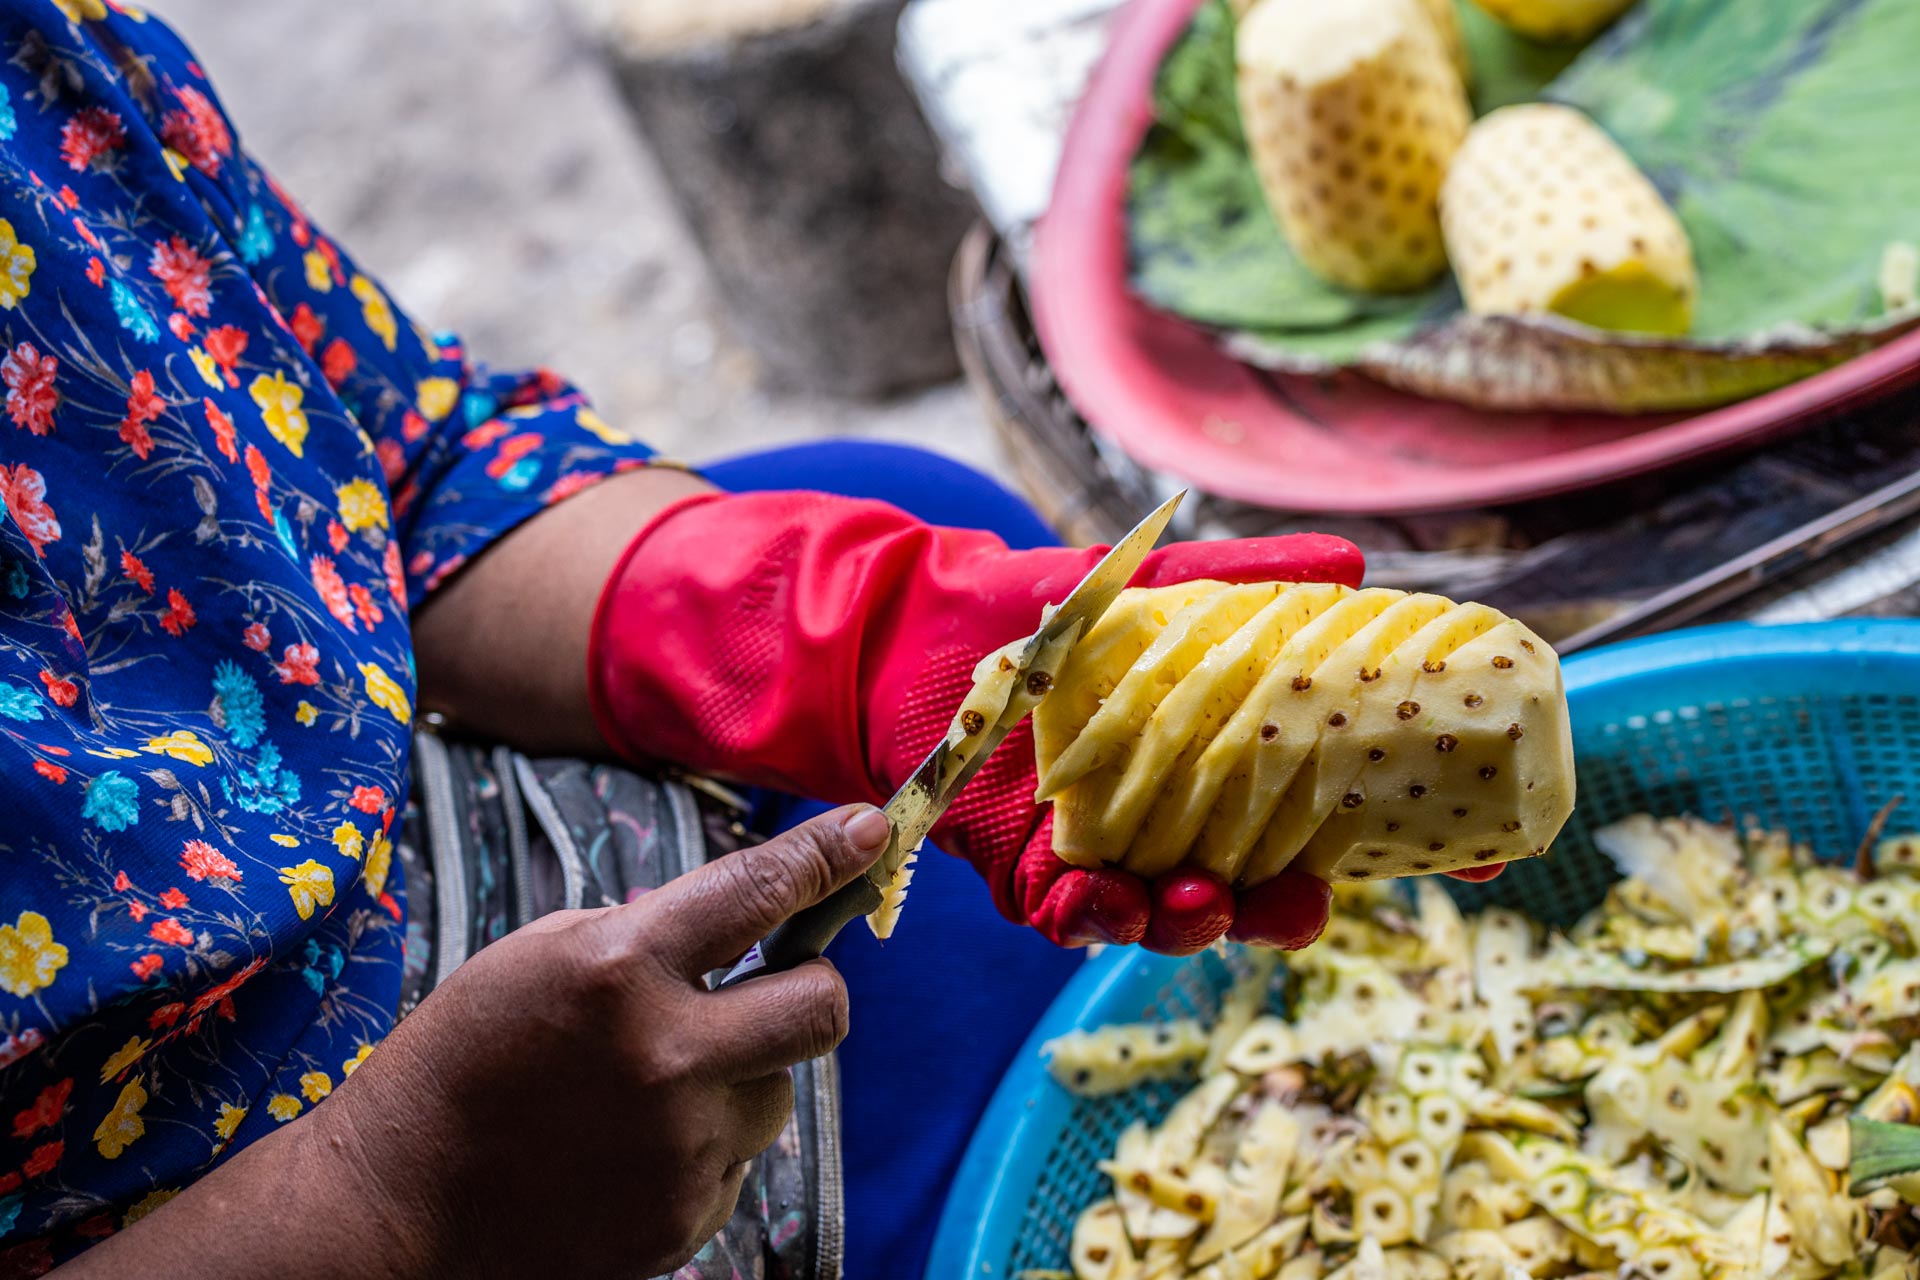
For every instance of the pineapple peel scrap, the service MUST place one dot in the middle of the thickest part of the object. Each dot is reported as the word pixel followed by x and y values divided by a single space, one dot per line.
pixel 1386 1127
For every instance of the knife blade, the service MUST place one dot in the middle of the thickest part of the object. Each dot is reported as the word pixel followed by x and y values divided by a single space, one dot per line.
pixel 953 762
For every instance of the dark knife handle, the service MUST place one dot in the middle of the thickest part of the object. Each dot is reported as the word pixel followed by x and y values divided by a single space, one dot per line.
pixel 805 936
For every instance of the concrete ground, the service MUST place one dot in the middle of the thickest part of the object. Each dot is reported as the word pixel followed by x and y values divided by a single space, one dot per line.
pixel 474 156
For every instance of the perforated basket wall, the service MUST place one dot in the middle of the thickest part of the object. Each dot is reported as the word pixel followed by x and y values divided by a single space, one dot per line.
pixel 1810 728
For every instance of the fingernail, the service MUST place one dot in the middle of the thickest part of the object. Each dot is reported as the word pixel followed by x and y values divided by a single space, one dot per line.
pixel 868 829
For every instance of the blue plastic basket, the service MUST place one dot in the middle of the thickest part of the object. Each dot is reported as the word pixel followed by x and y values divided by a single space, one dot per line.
pixel 1808 727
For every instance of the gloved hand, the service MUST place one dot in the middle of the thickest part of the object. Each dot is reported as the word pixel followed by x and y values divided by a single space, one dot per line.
pixel 820 645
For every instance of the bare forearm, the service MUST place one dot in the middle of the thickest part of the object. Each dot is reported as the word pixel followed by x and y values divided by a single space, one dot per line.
pixel 502 650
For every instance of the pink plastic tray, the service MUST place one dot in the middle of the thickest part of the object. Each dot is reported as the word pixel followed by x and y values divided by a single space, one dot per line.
pixel 1167 395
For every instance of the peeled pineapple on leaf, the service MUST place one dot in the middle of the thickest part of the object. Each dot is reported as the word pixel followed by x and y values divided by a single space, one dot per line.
pixel 1544 215
pixel 1352 112
pixel 1359 735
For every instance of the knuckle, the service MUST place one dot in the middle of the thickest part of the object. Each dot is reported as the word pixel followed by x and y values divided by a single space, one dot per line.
pixel 778 877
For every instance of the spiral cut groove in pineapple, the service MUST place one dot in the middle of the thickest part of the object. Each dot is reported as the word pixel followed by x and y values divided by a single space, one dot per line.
pixel 1354 734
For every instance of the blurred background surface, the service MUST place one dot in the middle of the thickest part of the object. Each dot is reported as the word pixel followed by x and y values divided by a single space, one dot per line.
pixel 475 155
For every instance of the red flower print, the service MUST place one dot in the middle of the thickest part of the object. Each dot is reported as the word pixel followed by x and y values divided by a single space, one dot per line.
pixel 403 498
pixel 146 966
pixel 201 861
pixel 166 1015
pixel 307 327
pixel 446 569
pixel 68 625
pixel 369 799
pixel 265 503
pixel 120 882
pixel 10 1182
pixel 135 435
pixel 50 771
pixel 197 132
pixel 171 931
pixel 24 491
pixel 143 407
pixel 53 751
pixel 43 1158
pixel 333 591
pixel 365 607
pixel 63 692
pixel 85 232
pixel 336 536
pixel 571 483
pixel 422 561
pixel 396 581
pixel 69 198
pixel 222 427
pixel 138 910
pixel 339 362
pixel 186 276
pixel 511 451
pixel 98 1227
pixel 45 1111
pixel 485 434
pixel 31 395
pixel 412 426
pixel 173 899
pixel 96 272
pixel 325 249
pixel 226 345
pixel 181 326
pixel 136 571
pixel 256 637
pixel 91 133
pixel 178 618
pixel 298 665
pixel 222 992
pixel 257 468
pixel 393 460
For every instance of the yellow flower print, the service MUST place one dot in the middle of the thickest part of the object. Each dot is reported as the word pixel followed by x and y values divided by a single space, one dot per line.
pixel 183 745
pixel 306 713
pixel 309 885
pixel 283 1107
pixel 175 162
pixel 379 863
pixel 147 1204
pixel 362 505
pixel 82 10
pixel 16 267
pixel 209 371
pixel 385 693
pixel 316 1085
pixel 319 274
pixel 122 1126
pixel 375 311
pixel 113 753
pixel 284 840
pixel 29 957
pixel 347 839
pixel 599 426
pixel 128 1054
pixel 229 1120
pixel 435 397
pixel 279 402
pixel 352 1064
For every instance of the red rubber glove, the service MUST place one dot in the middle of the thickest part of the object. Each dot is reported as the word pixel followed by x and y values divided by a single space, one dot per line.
pixel 820 645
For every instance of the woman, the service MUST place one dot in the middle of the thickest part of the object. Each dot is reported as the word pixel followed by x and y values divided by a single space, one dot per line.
pixel 248 502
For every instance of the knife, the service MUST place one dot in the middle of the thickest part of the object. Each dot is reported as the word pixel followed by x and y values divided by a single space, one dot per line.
pixel 932 787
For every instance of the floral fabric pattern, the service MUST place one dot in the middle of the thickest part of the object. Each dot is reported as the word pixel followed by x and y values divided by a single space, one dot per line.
pixel 230 466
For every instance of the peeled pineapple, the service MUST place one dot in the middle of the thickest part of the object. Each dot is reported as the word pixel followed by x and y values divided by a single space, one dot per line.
pixel 1444 14
pixel 1555 19
pixel 1544 214
pixel 1352 112
pixel 1356 734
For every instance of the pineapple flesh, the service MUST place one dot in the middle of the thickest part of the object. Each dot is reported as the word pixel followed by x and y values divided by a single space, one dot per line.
pixel 1352 113
pixel 1359 735
pixel 1544 214
pixel 1555 20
